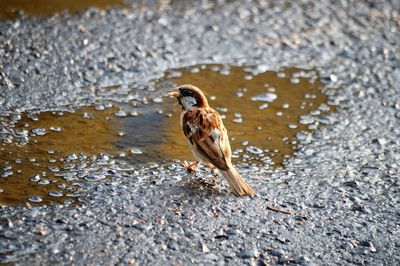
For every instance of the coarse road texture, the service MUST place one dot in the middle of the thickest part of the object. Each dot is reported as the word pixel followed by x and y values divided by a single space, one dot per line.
pixel 342 189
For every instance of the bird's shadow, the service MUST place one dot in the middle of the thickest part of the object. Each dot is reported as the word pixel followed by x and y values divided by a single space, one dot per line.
pixel 202 184
pixel 202 187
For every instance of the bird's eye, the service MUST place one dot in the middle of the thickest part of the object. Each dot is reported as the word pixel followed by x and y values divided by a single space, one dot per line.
pixel 185 92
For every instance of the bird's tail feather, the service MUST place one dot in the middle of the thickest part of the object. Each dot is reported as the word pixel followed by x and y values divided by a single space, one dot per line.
pixel 240 187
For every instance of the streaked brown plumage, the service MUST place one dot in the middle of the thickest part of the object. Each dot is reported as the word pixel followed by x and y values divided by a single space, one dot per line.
pixel 207 137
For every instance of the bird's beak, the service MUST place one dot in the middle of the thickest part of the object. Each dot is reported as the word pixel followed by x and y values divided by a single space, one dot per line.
pixel 174 92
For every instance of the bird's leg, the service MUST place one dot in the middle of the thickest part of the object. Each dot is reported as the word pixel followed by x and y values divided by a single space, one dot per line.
pixel 216 180
pixel 190 167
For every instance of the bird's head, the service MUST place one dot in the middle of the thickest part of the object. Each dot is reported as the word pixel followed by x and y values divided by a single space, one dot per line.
pixel 189 96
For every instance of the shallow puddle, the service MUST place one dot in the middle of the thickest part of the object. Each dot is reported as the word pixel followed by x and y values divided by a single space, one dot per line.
pixel 263 111
pixel 36 163
pixel 48 154
pixel 50 7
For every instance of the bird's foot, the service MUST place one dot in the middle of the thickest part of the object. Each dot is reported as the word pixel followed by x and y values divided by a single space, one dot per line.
pixel 190 167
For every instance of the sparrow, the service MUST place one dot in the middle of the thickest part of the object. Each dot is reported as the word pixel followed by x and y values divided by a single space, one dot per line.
pixel 207 136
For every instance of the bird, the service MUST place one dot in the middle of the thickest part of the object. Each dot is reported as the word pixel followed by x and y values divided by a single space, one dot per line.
pixel 207 136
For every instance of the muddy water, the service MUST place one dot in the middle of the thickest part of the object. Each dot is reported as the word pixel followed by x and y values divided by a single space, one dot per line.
pixel 34 166
pixel 263 112
pixel 49 7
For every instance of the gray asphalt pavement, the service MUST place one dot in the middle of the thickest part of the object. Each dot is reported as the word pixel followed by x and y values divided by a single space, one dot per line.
pixel 342 188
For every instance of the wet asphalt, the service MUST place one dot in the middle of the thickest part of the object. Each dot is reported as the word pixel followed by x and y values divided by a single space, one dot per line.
pixel 339 195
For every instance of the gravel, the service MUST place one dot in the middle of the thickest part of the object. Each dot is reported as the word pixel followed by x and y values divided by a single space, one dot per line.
pixel 342 187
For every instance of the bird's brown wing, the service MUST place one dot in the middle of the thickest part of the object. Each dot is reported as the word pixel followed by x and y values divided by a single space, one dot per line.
pixel 204 129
